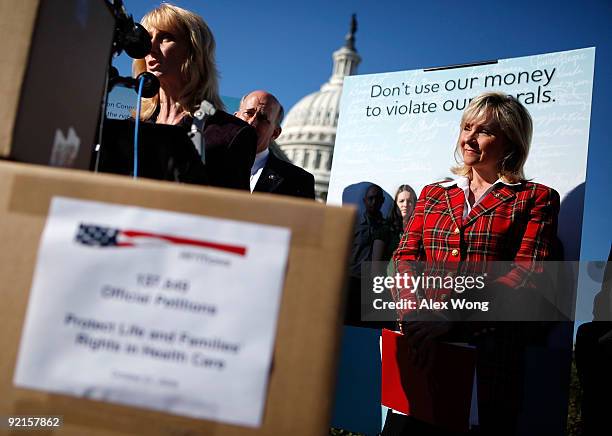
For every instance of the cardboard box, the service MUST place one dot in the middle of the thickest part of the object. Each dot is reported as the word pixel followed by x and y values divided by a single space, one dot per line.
pixel 16 27
pixel 52 77
pixel 300 391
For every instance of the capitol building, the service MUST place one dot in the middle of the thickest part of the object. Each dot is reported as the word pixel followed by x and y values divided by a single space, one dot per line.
pixel 309 129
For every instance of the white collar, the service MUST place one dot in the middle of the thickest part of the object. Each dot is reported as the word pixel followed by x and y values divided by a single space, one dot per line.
pixel 463 182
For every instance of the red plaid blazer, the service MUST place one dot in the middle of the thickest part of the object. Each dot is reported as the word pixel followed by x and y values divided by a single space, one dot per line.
pixel 511 223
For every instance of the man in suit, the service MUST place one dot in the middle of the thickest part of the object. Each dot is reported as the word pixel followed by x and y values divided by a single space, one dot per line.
pixel 269 173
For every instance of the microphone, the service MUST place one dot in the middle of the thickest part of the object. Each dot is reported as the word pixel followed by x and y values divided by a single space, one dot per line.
pixel 129 36
pixel 150 87
pixel 136 40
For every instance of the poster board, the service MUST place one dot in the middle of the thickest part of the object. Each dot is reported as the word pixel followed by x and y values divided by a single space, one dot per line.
pixel 303 372
pixel 402 127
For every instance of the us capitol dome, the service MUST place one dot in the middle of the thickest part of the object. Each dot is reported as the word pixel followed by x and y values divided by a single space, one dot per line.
pixel 309 129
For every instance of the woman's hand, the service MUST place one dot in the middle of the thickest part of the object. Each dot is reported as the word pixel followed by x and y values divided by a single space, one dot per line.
pixel 421 337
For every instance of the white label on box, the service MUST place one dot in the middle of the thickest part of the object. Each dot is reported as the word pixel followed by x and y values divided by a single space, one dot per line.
pixel 156 309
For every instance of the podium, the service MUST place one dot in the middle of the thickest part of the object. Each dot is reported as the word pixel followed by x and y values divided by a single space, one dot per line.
pixel 300 390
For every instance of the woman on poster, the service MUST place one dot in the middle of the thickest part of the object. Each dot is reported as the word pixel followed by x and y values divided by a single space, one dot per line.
pixel 401 211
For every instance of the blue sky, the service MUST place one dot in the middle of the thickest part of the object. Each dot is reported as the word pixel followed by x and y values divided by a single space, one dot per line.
pixel 285 47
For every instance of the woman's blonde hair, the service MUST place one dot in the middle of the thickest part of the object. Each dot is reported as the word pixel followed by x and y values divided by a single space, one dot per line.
pixel 514 121
pixel 199 69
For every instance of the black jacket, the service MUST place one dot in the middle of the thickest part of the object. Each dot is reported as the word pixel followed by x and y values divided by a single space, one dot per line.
pixel 166 152
pixel 280 177
pixel 230 151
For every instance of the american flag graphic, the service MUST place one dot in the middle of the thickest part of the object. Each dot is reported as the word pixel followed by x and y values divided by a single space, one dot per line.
pixel 98 236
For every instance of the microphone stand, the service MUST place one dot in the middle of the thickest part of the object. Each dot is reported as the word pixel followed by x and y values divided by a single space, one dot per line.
pixel 109 68
pixel 134 39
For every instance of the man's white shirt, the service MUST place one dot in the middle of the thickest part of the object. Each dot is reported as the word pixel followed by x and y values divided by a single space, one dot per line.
pixel 258 165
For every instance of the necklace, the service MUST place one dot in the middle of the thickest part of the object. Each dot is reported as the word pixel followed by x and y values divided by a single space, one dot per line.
pixel 477 191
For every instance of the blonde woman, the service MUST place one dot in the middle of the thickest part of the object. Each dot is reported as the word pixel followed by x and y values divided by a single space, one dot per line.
pixel 182 57
pixel 491 212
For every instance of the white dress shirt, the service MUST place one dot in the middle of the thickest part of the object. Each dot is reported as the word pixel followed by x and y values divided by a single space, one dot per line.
pixel 258 164
pixel 464 183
